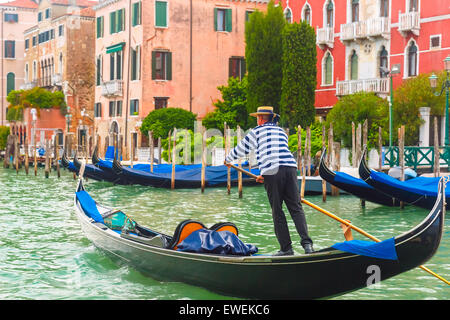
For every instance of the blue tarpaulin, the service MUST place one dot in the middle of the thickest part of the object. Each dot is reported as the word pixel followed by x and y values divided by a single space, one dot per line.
pixel 218 242
pixel 89 206
pixel 382 250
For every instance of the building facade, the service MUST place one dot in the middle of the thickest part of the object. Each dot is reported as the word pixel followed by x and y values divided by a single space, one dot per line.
pixel 59 55
pixel 155 54
pixel 360 41
pixel 16 16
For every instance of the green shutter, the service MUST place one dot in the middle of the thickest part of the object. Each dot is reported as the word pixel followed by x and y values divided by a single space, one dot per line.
pixel 112 22
pixel 119 21
pixel 169 66
pixel 98 70
pixel 215 19
pixel 161 14
pixel 354 67
pixel 243 68
pixel 228 21
pixel 10 82
pixel 99 27
pixel 133 64
pixel 153 65
pixel 328 70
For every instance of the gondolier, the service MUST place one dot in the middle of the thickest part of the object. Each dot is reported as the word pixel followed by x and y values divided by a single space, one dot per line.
pixel 278 173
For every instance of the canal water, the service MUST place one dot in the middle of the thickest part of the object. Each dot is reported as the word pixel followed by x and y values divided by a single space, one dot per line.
pixel 44 254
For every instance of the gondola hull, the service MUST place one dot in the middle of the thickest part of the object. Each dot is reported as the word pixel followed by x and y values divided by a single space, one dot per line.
pixel 397 189
pixel 355 186
pixel 323 274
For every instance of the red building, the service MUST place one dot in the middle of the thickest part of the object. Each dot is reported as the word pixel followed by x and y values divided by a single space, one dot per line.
pixel 359 41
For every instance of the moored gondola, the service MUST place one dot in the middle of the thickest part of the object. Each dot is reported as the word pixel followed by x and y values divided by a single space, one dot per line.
pixel 325 273
pixel 354 186
pixel 420 191
pixel 93 172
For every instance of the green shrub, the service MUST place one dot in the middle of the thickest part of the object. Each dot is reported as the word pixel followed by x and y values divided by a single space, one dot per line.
pixel 161 121
pixel 4 132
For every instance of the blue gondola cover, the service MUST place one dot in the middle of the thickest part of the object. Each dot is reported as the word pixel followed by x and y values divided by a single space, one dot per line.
pixel 89 206
pixel 382 250
pixel 217 242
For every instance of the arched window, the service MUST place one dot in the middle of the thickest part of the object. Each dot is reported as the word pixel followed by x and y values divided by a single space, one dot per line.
pixel 355 10
pixel 34 70
pixel 27 73
pixel 329 14
pixel 412 60
pixel 307 14
pixel 413 6
pixel 61 64
pixel 327 65
pixel 10 82
pixel 288 15
pixel 354 66
pixel 383 62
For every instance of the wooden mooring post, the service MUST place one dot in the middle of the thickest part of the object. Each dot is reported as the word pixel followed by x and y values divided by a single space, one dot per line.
pixel 47 158
pixel 56 151
pixel 239 138
pixel 203 173
pixel 152 149
pixel 172 179
pixel 436 166
pixel 227 150
pixel 401 156
pixel 324 183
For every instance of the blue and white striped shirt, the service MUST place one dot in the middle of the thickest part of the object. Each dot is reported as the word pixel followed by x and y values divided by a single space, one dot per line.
pixel 271 145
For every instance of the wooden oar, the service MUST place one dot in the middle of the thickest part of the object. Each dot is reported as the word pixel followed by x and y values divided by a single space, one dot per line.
pixel 331 215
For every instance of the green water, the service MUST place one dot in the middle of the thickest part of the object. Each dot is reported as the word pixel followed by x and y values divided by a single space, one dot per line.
pixel 44 255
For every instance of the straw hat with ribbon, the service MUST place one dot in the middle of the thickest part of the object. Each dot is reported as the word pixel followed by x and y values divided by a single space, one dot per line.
pixel 265 110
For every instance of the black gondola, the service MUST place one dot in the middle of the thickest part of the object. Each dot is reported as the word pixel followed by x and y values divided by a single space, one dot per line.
pixel 325 273
pixel 354 186
pixel 420 191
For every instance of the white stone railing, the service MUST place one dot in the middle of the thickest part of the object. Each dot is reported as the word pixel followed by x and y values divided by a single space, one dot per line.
pixel 112 88
pixel 377 85
pixel 373 27
pixel 325 36
pixel 409 21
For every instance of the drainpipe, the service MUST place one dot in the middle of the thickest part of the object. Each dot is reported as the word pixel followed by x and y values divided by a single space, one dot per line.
pixel 190 57
pixel 128 73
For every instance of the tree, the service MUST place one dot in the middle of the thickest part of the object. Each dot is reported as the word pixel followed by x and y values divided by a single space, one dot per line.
pixel 263 55
pixel 161 121
pixel 299 75
pixel 413 94
pixel 4 133
pixel 37 98
pixel 232 109
pixel 357 108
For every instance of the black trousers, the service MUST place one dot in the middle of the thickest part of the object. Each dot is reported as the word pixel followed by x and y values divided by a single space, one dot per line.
pixel 283 187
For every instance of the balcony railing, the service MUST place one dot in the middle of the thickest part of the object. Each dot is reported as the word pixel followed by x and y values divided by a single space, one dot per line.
pixel 409 21
pixel 57 79
pixel 45 81
pixel 112 88
pixel 325 36
pixel 374 27
pixel 377 85
pixel 28 85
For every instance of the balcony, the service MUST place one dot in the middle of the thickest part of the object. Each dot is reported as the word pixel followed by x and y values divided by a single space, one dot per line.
pixel 325 37
pixel 409 22
pixel 367 29
pixel 377 85
pixel 57 79
pixel 113 88
pixel 28 85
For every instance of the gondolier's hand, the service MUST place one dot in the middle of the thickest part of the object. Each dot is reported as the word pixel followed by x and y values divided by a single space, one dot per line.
pixel 227 164
pixel 260 179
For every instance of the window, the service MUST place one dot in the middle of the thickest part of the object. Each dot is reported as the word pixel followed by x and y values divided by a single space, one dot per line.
pixel 435 42
pixel 99 70
pixel 10 82
pixel 27 44
pixel 100 27
pixel 98 110
pixel 384 8
pixel 161 102
pixel 328 70
pixel 413 6
pixel 135 63
pixel 115 71
pixel 383 62
pixel 47 13
pixel 329 14
pixel 27 73
pixel 307 14
pixel 137 13
pixel 134 107
pixel 61 30
pixel 161 65
pixel 355 10
pixel 161 14
pixel 115 108
pixel 247 15
pixel 288 15
pixel 236 67
pixel 39 16
pixel 11 17
pixel 412 60
pixel 354 66
pixel 117 21
pixel 10 49
pixel 222 19
pixel 34 41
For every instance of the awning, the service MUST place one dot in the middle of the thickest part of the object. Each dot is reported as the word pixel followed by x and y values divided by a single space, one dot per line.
pixel 115 48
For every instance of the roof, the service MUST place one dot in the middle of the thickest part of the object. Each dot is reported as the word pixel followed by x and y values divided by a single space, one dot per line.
pixel 20 4
pixel 80 3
